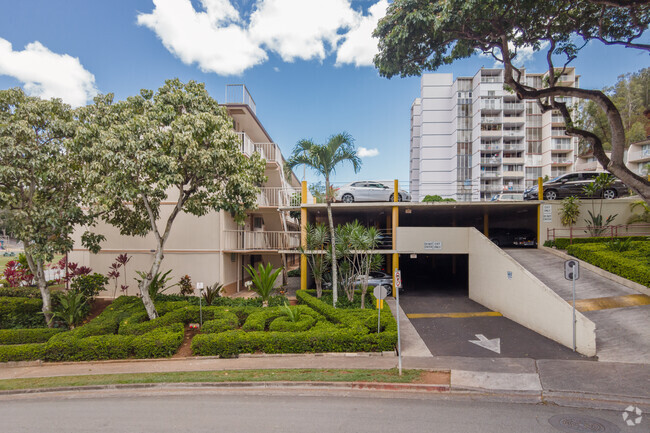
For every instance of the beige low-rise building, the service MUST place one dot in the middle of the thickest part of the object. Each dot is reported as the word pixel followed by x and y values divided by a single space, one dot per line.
pixel 214 248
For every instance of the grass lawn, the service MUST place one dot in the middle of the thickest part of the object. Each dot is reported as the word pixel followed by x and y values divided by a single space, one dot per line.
pixel 5 260
pixel 292 375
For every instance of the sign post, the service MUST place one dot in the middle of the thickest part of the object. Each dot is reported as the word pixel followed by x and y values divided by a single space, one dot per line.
pixel 572 273
pixel 380 292
pixel 398 285
pixel 199 290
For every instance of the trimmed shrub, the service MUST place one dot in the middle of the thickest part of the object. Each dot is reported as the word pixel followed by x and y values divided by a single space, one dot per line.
pixel 18 312
pixel 633 265
pixel 22 352
pixel 223 321
pixel 89 285
pixel 563 243
pixel 159 343
pixel 20 292
pixel 283 324
pixel 24 336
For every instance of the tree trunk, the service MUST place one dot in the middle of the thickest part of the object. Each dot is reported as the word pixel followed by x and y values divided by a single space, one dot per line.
pixel 335 286
pixel 36 267
pixel 144 284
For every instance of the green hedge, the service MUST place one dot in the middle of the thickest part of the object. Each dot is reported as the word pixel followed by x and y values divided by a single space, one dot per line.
pixel 563 243
pixel 224 321
pixel 22 352
pixel 633 264
pixel 21 292
pixel 24 336
pixel 284 324
pixel 17 312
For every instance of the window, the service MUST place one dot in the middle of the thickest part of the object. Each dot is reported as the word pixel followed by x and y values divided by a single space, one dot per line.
pixel 258 222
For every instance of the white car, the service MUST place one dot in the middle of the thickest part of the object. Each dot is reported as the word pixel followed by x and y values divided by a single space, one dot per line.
pixel 368 191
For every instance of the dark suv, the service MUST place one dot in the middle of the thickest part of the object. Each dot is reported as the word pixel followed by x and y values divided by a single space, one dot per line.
pixel 571 184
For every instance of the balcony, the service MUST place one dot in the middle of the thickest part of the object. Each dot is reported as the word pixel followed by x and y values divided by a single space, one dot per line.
pixel 491 188
pixel 514 146
pixel 491 161
pixel 586 165
pixel 269 151
pixel 241 240
pixel 513 106
pixel 513 174
pixel 490 119
pixel 238 94
pixel 561 161
pixel 561 147
pixel 641 155
pixel 278 197
pixel 496 133
pixel 490 174
pixel 513 160
pixel 514 133
pixel 490 105
pixel 491 146
pixel 514 119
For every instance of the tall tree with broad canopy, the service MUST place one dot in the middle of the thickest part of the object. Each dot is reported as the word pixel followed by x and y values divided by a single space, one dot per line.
pixel 41 186
pixel 176 144
pixel 419 35
pixel 323 159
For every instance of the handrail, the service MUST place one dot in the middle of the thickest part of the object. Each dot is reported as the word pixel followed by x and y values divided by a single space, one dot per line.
pixel 611 231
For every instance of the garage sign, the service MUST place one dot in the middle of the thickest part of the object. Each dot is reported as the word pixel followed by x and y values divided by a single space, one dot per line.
pixel 547 213
pixel 433 245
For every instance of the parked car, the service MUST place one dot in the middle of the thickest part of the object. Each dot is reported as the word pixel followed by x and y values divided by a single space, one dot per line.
pixel 368 191
pixel 375 278
pixel 513 237
pixel 571 184
pixel 508 196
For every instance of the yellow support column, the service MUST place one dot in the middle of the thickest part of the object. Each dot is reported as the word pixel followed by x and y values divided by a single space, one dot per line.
pixel 395 221
pixel 540 196
pixel 303 236
pixel 540 188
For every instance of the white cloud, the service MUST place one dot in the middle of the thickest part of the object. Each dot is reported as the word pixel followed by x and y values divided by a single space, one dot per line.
pixel 367 153
pixel 219 40
pixel 213 39
pixel 359 47
pixel 300 29
pixel 46 74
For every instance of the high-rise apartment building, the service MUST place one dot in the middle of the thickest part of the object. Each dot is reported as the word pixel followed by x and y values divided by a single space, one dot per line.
pixel 472 138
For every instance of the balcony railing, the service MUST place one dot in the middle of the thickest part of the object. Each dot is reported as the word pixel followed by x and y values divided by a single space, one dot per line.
pixel 513 106
pixel 489 119
pixel 514 146
pixel 490 146
pixel 561 146
pixel 242 240
pixel 488 174
pixel 514 133
pixel 491 161
pixel 278 197
pixel 269 151
pixel 238 94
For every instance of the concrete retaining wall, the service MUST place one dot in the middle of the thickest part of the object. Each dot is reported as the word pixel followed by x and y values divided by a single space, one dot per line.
pixel 500 283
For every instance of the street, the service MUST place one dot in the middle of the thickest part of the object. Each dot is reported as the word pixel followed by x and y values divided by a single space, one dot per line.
pixel 198 410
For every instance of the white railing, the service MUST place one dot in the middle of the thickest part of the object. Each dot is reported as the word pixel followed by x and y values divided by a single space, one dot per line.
pixel 563 146
pixel 490 174
pixel 278 197
pixel 515 146
pixel 490 105
pixel 513 106
pixel 560 161
pixel 268 151
pixel 261 240
pixel 485 146
pixel 239 94
pixel 488 119
pixel 491 79
pixel 514 133
pixel 491 188
pixel 494 160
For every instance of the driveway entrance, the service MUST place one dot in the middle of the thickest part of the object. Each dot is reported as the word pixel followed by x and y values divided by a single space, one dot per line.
pixel 437 304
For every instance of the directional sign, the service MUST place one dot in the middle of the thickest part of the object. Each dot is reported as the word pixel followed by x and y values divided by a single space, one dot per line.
pixel 572 270
pixel 494 344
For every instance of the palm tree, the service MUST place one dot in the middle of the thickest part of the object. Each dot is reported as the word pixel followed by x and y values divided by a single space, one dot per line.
pixel 323 158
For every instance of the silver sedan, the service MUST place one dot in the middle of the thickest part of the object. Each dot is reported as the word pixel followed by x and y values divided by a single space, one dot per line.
pixel 368 191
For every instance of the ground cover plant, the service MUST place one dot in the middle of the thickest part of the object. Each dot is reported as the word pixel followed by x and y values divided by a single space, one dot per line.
pixel 124 330
pixel 628 259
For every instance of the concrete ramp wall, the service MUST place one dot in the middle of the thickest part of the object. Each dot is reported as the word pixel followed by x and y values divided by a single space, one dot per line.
pixel 500 283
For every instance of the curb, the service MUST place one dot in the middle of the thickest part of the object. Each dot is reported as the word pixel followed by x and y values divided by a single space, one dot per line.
pixel 364 386
pixel 41 363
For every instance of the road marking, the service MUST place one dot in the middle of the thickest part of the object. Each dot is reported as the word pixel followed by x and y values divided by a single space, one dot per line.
pixel 595 304
pixel 453 315
pixel 494 344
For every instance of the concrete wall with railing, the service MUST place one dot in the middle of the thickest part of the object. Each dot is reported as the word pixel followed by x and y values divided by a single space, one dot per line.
pixel 500 283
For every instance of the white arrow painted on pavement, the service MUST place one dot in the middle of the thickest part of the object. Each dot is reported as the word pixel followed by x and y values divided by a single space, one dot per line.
pixel 494 344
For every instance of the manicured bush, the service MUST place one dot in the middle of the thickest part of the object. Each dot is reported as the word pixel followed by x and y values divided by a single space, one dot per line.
pixel 159 343
pixel 260 320
pixel 284 324
pixel 294 273
pixel 18 312
pixel 24 336
pixel 22 352
pixel 633 264
pixel 563 243
pixel 20 292
pixel 223 321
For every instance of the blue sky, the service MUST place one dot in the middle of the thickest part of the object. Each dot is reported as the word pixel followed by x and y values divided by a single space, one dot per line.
pixel 306 63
